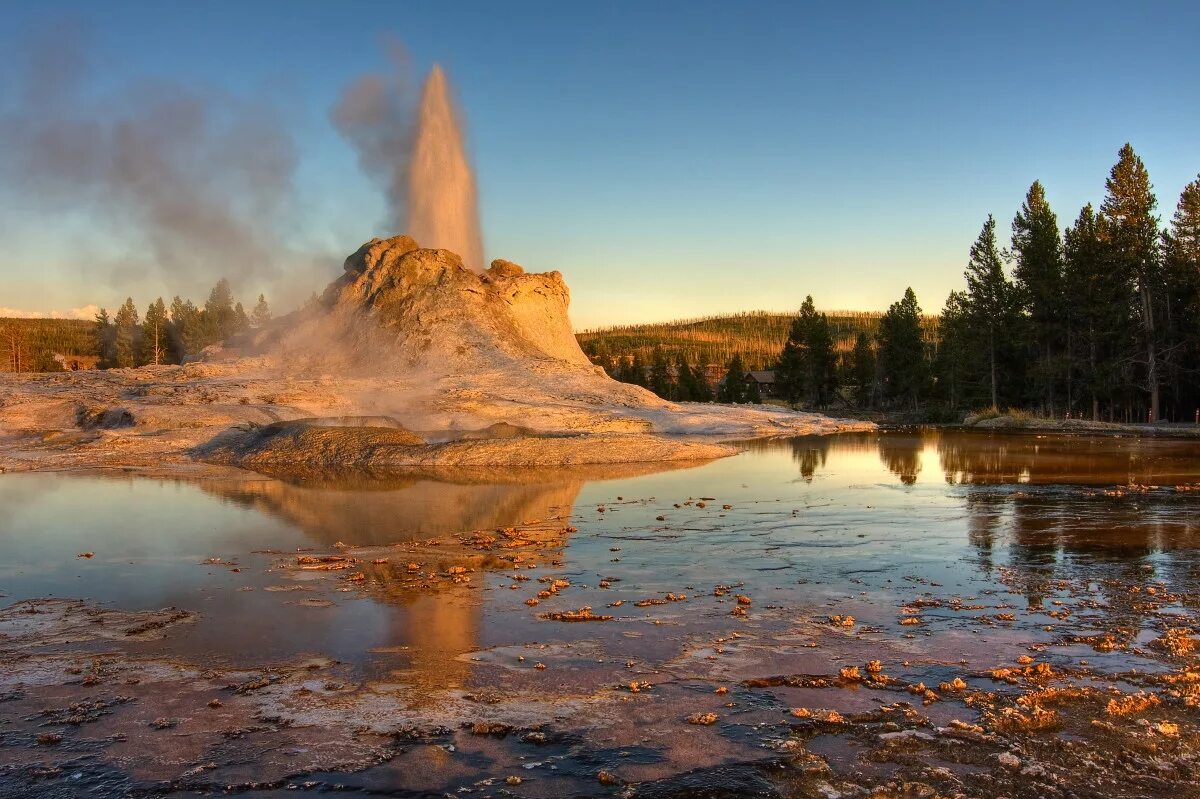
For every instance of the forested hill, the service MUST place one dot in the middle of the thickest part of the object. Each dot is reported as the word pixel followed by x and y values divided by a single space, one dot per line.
pixel 29 345
pixel 757 336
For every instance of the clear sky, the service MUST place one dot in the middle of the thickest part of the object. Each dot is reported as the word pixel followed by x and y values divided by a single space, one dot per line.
pixel 670 158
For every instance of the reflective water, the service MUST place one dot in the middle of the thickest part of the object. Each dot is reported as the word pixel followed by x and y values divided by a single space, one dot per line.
pixel 954 552
pixel 818 522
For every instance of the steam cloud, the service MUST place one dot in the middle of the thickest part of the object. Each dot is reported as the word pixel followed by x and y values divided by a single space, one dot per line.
pixel 375 115
pixel 198 182
pixel 417 153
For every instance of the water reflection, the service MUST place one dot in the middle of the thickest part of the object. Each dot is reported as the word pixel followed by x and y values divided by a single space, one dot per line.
pixel 997 458
pixel 974 512
pixel 441 621
pixel 901 454
pixel 377 513
pixel 982 458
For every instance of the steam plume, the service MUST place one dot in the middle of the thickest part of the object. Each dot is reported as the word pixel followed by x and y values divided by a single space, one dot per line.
pixel 442 210
pixel 195 183
pixel 417 155
pixel 375 115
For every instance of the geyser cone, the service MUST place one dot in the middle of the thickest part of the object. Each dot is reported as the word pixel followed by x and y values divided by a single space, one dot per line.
pixel 442 210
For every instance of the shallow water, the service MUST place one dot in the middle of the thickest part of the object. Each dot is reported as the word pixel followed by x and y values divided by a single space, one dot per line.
pixel 983 537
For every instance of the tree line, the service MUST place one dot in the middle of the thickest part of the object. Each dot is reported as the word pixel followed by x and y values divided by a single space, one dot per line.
pixel 670 378
pixel 31 345
pixel 168 334
pixel 757 336
pixel 1099 319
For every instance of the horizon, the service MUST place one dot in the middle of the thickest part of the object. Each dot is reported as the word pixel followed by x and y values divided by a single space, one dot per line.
pixel 637 159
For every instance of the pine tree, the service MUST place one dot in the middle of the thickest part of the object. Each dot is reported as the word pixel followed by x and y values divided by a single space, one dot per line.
pixel 733 387
pixel 954 349
pixel 13 335
pixel 902 351
pixel 1185 224
pixel 692 385
pixel 807 365
pixel 1038 279
pixel 1098 314
pixel 220 319
pixel 688 385
pixel 863 369
pixel 186 333
pixel 261 314
pixel 989 297
pixel 660 375
pixel 106 340
pixel 128 336
pixel 240 322
pixel 154 334
pixel 1133 243
pixel 1182 258
pixel 791 370
pixel 824 362
pixel 635 372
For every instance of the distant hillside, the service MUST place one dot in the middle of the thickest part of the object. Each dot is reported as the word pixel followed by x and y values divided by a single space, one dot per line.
pixel 757 336
pixel 32 343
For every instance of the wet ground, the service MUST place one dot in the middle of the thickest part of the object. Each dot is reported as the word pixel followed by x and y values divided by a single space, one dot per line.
pixel 896 614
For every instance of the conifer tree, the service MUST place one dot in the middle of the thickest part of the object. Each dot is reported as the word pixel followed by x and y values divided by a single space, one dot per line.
pixel 106 340
pixel 989 297
pixel 187 334
pixel 692 385
pixel 1133 243
pixel 807 366
pixel 261 314
pixel 240 322
pixel 1038 279
pixel 128 337
pixel 1185 225
pixel 1099 313
pixel 1181 247
pixel 635 372
pixel 791 370
pixel 863 369
pixel 733 387
pixel 686 383
pixel 660 375
pixel 824 362
pixel 954 349
pixel 154 334
pixel 219 314
pixel 902 351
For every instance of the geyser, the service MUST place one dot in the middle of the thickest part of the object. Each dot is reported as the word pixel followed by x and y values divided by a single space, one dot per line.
pixel 442 207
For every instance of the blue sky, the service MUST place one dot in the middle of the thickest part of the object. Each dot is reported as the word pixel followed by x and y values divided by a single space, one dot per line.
pixel 671 159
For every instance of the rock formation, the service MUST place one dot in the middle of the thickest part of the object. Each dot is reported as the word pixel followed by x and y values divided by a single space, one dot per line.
pixel 423 310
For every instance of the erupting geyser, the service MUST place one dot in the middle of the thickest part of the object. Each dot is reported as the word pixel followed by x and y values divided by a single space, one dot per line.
pixel 442 210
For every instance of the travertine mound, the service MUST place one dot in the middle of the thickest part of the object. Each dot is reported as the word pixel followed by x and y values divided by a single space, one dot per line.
pixel 400 308
pixel 446 348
